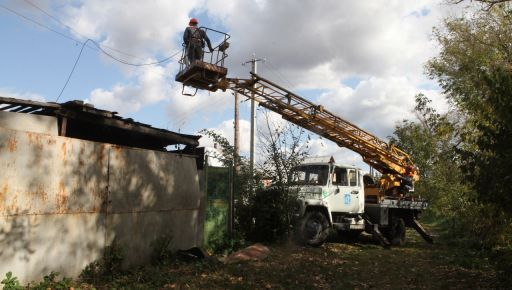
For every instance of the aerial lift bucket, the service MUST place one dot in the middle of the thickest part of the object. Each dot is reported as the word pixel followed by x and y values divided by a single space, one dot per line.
pixel 204 74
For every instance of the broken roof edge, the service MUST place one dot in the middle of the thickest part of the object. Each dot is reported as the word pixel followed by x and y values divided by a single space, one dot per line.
pixel 135 134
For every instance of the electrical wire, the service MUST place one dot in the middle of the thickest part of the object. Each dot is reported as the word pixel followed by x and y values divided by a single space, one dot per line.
pixel 71 28
pixel 181 118
pixel 74 66
pixel 271 67
pixel 38 23
pixel 98 46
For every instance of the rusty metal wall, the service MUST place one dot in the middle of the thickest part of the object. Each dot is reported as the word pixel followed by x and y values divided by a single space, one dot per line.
pixel 153 193
pixel 62 200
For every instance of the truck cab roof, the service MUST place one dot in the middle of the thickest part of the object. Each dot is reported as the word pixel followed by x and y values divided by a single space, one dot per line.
pixel 322 160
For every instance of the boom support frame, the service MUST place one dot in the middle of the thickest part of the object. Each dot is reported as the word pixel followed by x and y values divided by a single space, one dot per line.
pixel 385 158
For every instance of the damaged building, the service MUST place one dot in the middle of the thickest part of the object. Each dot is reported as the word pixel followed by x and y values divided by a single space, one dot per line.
pixel 75 179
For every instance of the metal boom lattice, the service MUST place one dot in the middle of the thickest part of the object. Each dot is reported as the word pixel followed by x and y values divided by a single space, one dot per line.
pixel 293 108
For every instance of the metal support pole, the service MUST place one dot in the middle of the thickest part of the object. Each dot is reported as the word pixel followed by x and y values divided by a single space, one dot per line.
pixel 237 134
pixel 254 70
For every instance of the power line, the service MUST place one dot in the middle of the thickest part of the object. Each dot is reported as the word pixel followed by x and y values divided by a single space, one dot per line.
pixel 135 64
pixel 71 28
pixel 94 42
pixel 181 118
pixel 38 23
pixel 278 73
pixel 74 66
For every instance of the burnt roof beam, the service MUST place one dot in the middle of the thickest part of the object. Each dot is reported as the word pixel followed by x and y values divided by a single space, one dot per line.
pixel 168 136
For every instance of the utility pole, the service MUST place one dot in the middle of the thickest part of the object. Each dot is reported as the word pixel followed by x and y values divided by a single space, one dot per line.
pixel 236 166
pixel 237 133
pixel 254 70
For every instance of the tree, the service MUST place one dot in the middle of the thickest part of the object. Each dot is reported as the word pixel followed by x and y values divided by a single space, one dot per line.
pixel 430 141
pixel 488 4
pixel 474 69
pixel 283 146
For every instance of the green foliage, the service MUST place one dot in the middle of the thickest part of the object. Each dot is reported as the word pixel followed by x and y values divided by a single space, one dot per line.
pixel 223 244
pixel 474 69
pixel 272 211
pixel 50 281
pixel 262 214
pixel 283 146
pixel 107 266
pixel 227 151
pixel 160 249
pixel 465 157
pixel 430 142
pixel 11 282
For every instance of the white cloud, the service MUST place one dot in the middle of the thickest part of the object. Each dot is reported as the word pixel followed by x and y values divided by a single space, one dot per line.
pixel 326 148
pixel 151 86
pixel 137 27
pixel 183 109
pixel 363 38
pixel 226 130
pixel 11 93
pixel 377 104
pixel 308 46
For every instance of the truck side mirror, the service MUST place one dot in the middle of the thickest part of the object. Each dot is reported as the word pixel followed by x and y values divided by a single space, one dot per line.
pixel 337 191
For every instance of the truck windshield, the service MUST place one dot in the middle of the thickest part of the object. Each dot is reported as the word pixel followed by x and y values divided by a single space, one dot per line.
pixel 310 175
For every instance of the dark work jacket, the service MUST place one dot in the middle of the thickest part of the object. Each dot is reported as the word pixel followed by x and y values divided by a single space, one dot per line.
pixel 194 35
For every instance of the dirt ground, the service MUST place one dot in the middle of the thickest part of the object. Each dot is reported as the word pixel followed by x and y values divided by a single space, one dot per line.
pixel 339 264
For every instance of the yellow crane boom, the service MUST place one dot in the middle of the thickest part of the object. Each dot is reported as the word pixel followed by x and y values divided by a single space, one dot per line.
pixel 386 158
pixel 209 73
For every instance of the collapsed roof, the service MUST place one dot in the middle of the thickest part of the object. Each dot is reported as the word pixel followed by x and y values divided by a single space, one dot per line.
pixel 77 119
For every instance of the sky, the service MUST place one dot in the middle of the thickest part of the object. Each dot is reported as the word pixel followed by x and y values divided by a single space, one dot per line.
pixel 362 60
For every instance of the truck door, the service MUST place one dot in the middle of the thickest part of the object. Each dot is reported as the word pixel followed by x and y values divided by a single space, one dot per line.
pixel 347 194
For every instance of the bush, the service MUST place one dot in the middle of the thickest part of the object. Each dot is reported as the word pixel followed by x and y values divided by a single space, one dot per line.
pixel 107 266
pixel 11 282
pixel 272 209
pixel 224 244
pixel 161 252
pixel 50 282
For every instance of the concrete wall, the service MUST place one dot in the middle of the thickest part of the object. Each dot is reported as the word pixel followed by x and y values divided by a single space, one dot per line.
pixel 62 200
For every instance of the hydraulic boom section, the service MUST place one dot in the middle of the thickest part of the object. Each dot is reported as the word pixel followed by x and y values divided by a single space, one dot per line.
pixel 385 158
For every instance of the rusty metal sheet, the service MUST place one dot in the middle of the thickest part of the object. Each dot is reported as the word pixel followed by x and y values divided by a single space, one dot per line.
pixel 153 193
pixel 45 174
pixel 136 232
pixel 54 193
pixel 33 246
pixel 146 181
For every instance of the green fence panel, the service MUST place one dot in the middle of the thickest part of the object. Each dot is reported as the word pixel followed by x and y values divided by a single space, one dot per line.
pixel 218 187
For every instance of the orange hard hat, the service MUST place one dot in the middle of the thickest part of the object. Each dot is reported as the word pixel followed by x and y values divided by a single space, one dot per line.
pixel 192 21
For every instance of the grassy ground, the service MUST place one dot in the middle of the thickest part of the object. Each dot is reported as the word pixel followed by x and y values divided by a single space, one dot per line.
pixel 360 264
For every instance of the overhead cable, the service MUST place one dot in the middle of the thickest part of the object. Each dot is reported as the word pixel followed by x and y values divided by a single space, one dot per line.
pixel 90 40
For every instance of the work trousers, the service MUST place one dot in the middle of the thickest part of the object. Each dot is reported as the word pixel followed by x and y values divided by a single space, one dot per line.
pixel 195 52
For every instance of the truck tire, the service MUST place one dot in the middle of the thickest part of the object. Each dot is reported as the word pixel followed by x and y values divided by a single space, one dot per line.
pixel 313 229
pixel 395 233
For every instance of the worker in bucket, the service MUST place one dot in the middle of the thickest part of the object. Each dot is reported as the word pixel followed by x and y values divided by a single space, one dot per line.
pixel 194 39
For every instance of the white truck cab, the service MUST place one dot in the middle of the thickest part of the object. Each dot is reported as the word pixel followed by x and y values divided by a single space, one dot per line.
pixel 336 185
pixel 332 195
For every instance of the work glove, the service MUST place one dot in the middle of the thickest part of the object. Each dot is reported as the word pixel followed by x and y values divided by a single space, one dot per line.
pixel 211 49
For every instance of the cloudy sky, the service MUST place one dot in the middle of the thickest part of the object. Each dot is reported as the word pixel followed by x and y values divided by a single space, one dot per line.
pixel 362 60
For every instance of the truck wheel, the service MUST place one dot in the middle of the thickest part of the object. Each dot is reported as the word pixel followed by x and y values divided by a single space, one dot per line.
pixel 396 232
pixel 313 229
